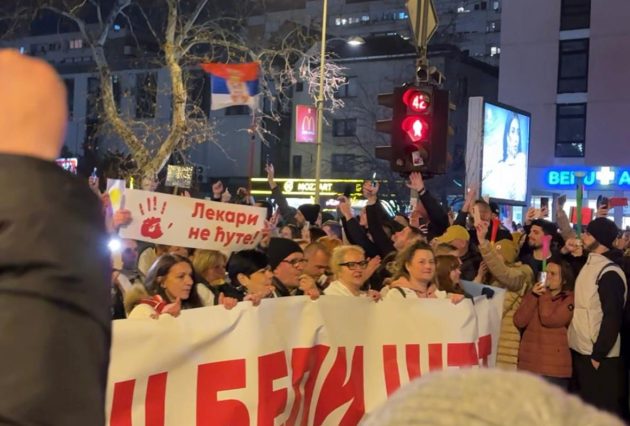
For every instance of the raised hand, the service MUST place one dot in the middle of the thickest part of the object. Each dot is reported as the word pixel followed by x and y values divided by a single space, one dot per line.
pixel 344 207
pixel 482 230
pixel 416 182
pixel 226 196
pixel 369 191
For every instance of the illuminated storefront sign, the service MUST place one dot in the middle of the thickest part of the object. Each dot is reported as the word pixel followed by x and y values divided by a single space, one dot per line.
pixel 305 187
pixel 603 177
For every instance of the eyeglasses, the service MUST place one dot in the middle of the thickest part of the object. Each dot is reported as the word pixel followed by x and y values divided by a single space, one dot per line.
pixel 355 265
pixel 295 262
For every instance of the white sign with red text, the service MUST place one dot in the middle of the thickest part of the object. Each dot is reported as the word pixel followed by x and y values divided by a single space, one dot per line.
pixel 289 361
pixel 190 222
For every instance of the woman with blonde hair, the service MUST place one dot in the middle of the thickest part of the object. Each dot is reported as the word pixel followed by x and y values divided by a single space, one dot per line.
pixel 209 268
pixel 348 265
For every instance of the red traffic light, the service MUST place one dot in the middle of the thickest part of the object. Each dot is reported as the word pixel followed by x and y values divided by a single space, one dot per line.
pixel 416 100
pixel 416 128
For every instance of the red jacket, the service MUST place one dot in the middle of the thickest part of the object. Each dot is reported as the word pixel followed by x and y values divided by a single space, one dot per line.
pixel 544 345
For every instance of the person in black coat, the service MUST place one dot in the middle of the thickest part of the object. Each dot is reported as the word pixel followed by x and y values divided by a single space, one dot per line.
pixel 55 267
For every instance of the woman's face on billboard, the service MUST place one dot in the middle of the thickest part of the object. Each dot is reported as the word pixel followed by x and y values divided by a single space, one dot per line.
pixel 514 136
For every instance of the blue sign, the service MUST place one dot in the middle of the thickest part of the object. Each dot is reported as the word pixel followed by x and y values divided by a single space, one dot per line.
pixel 605 177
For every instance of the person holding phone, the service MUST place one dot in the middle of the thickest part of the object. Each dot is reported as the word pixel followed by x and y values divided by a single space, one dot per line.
pixel 543 318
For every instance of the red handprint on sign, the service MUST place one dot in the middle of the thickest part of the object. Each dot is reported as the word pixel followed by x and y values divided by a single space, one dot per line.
pixel 152 226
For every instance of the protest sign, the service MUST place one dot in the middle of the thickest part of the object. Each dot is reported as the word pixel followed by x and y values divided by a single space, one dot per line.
pixel 190 222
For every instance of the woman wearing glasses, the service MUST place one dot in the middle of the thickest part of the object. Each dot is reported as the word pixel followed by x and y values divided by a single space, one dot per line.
pixel 348 265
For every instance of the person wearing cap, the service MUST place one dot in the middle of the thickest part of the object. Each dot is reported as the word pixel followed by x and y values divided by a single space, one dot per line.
pixel 287 261
pixel 594 333
pixel 517 279
pixel 54 292
pixel 468 254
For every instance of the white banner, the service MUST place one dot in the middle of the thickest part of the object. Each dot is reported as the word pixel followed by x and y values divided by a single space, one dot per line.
pixel 190 222
pixel 290 360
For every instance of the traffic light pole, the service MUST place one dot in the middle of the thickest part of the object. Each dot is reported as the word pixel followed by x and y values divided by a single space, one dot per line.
pixel 320 102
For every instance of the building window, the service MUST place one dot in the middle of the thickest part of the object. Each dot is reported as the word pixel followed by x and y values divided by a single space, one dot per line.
pixel 348 89
pixel 299 86
pixel 237 110
pixel 495 51
pixel 575 14
pixel 69 82
pixel 146 95
pixel 342 163
pixel 483 5
pixel 345 127
pixel 570 130
pixel 573 66
pixel 76 44
pixel 496 5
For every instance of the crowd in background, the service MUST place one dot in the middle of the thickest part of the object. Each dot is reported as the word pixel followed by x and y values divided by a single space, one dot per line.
pixel 563 312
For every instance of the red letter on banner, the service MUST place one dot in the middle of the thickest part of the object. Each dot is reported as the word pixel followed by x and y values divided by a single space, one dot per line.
pixel 435 357
pixel 155 400
pixel 336 391
pixel 270 402
pixel 484 347
pixel 413 361
pixel 390 368
pixel 121 403
pixel 462 355
pixel 305 360
pixel 215 377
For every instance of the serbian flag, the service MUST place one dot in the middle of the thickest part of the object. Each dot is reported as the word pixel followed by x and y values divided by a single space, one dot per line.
pixel 233 84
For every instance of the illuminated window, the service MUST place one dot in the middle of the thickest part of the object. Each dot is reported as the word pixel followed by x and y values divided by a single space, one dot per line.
pixel 76 44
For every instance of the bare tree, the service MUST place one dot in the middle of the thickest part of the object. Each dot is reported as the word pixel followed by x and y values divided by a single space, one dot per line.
pixel 186 33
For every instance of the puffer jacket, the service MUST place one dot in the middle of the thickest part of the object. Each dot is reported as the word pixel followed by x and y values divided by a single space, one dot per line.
pixel 544 347
pixel 517 279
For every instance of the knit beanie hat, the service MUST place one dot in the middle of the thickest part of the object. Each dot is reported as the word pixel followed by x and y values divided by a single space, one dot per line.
pixel 310 212
pixel 603 230
pixel 279 249
pixel 507 249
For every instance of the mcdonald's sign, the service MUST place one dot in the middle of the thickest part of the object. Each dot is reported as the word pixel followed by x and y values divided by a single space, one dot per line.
pixel 305 124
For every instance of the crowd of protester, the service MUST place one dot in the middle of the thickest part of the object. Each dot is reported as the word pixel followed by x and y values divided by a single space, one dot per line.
pixel 565 297
pixel 566 325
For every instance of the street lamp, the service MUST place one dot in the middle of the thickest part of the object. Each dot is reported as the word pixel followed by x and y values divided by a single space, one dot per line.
pixel 353 41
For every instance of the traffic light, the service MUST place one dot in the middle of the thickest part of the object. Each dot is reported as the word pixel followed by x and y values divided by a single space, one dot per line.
pixel 418 129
